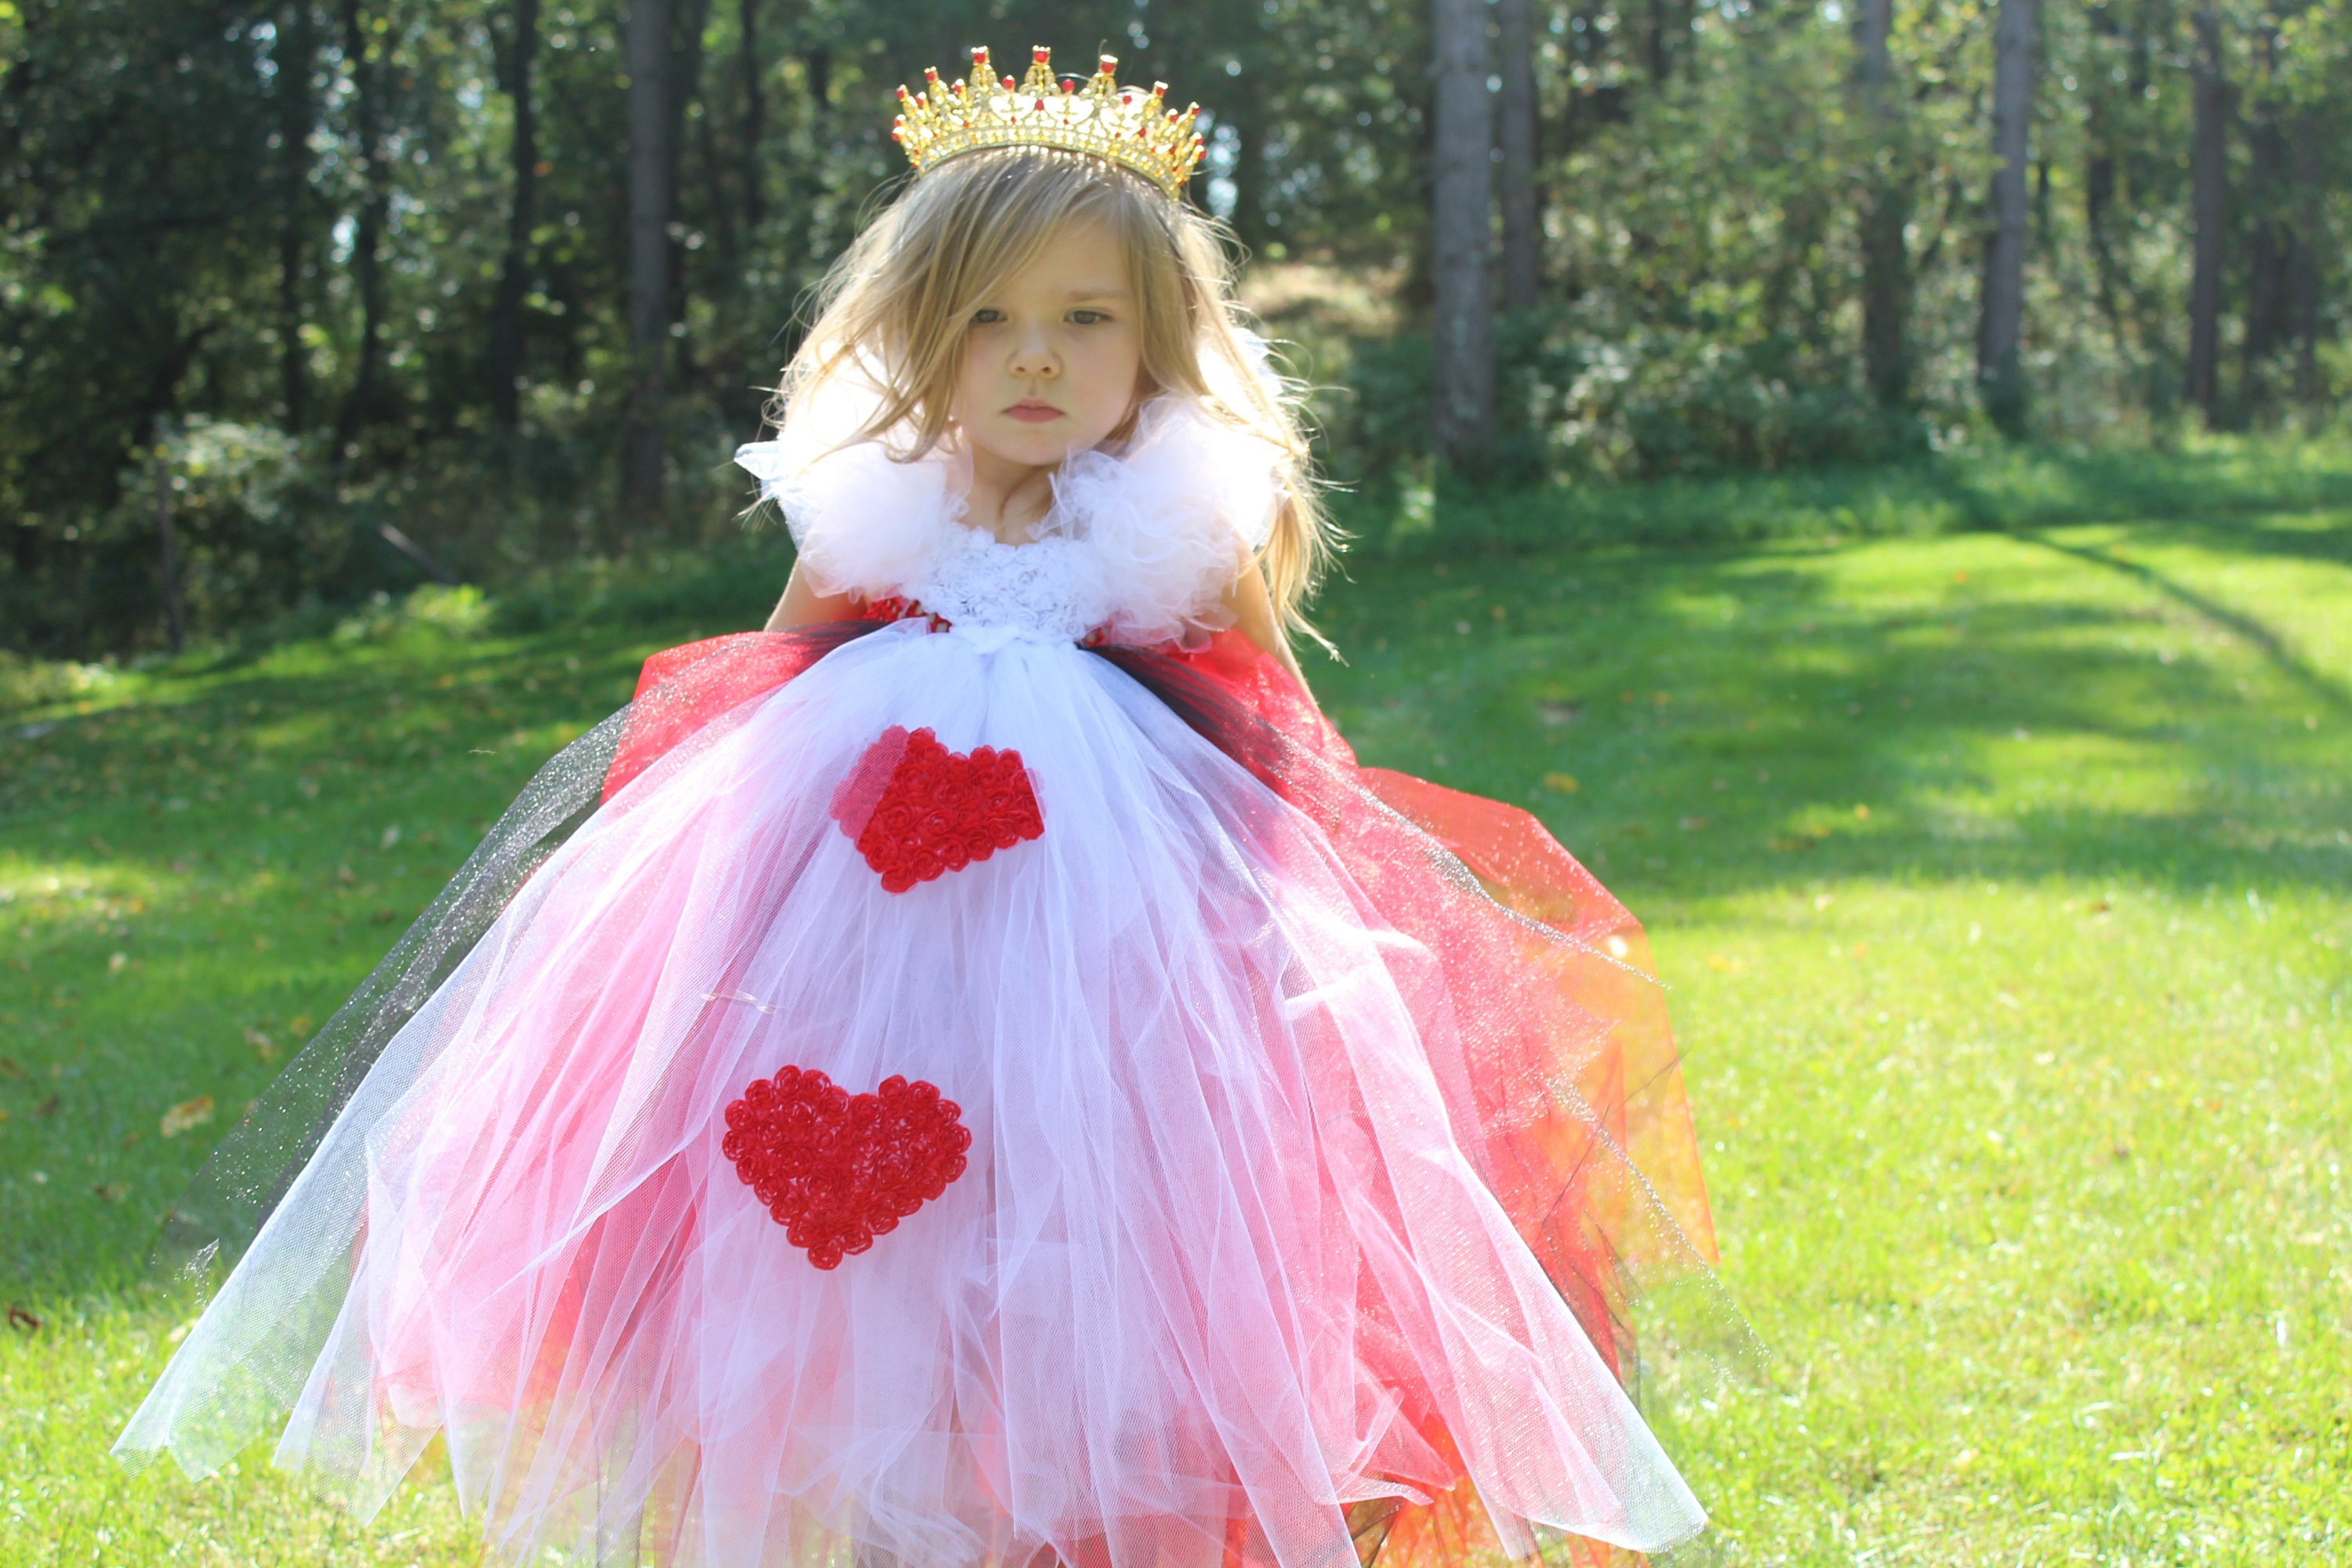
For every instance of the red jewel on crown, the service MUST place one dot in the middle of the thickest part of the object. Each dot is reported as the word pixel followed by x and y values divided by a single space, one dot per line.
pixel 918 811
pixel 836 1169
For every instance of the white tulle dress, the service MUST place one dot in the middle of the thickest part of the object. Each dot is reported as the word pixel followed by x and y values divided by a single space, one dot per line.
pixel 1298 1170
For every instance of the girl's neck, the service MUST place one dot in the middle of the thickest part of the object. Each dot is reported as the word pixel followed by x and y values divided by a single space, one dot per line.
pixel 1007 499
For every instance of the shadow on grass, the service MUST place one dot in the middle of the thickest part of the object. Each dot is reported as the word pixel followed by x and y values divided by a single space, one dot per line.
pixel 2318 683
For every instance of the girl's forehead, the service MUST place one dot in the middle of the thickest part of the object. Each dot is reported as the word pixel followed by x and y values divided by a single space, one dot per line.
pixel 1083 259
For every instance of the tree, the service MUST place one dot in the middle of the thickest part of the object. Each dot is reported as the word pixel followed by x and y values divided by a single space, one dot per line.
pixel 2209 210
pixel 755 114
pixel 296 60
pixel 362 403
pixel 504 361
pixel 2284 203
pixel 2000 374
pixel 1461 216
pixel 1886 209
pixel 1516 136
pixel 652 168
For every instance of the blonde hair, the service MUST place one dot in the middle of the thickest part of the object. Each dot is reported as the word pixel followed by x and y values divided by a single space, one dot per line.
pixel 896 299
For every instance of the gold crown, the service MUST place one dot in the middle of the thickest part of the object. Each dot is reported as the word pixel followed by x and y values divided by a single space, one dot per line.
pixel 1124 125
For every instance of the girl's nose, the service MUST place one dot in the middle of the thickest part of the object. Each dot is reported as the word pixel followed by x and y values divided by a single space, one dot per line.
pixel 1033 356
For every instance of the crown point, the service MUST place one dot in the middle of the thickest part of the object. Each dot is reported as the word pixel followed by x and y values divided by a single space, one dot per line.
pixel 980 54
pixel 1040 54
pixel 1008 84
pixel 930 73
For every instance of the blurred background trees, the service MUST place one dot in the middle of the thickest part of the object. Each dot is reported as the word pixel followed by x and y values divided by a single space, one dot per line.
pixel 395 289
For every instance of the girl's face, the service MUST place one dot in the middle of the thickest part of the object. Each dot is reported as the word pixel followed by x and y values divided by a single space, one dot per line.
pixel 1052 359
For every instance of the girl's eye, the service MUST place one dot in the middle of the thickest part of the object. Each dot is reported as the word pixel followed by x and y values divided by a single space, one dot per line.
pixel 1087 318
pixel 986 317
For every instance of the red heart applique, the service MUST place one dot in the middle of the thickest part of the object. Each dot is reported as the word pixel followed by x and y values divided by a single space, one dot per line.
pixel 918 810
pixel 837 1169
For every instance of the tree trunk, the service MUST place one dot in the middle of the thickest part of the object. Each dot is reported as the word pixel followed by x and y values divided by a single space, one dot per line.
pixel 1461 219
pixel 2208 207
pixel 2270 238
pixel 755 115
pixel 2001 374
pixel 646 58
pixel 171 554
pixel 688 21
pixel 1887 211
pixel 2305 274
pixel 2098 202
pixel 1248 219
pixel 514 272
pixel 297 57
pixel 1665 24
pixel 1517 135
pixel 362 403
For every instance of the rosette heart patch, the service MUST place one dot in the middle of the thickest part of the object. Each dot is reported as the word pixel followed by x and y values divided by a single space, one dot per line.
pixel 918 811
pixel 836 1169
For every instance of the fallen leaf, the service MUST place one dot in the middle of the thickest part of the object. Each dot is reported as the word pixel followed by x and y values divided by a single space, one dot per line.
pixel 187 1114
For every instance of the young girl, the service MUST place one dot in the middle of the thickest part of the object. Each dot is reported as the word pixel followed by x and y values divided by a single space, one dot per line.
pixel 976 1074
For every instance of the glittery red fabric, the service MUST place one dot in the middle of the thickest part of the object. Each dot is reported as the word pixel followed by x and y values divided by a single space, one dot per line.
pixel 918 811
pixel 836 1169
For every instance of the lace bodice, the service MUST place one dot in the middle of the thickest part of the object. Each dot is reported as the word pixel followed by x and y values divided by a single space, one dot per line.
pixel 1048 591
pixel 1139 545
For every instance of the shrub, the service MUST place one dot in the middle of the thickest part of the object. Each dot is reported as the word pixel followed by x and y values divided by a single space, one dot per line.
pixel 32 682
pixel 1577 398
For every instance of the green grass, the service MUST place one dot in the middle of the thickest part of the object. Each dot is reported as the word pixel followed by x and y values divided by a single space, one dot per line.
pixel 2003 882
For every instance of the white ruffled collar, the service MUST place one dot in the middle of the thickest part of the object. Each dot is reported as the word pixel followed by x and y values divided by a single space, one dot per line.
pixel 1154 531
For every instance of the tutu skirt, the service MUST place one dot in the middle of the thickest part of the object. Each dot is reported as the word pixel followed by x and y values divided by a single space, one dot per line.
pixel 1323 1126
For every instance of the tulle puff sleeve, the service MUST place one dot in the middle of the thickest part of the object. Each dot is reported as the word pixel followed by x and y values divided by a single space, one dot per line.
pixel 1171 518
pixel 864 523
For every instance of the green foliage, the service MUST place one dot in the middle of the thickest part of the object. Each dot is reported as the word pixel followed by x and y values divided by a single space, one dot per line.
pixel 33 683
pixel 1999 880
pixel 1585 401
pixel 185 189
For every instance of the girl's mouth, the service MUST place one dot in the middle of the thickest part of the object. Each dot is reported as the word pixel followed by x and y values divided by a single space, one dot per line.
pixel 1034 413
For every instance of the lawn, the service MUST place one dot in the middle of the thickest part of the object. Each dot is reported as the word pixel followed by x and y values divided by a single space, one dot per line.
pixel 2003 882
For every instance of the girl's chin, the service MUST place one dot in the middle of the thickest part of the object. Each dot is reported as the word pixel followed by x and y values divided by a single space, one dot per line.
pixel 1034 446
